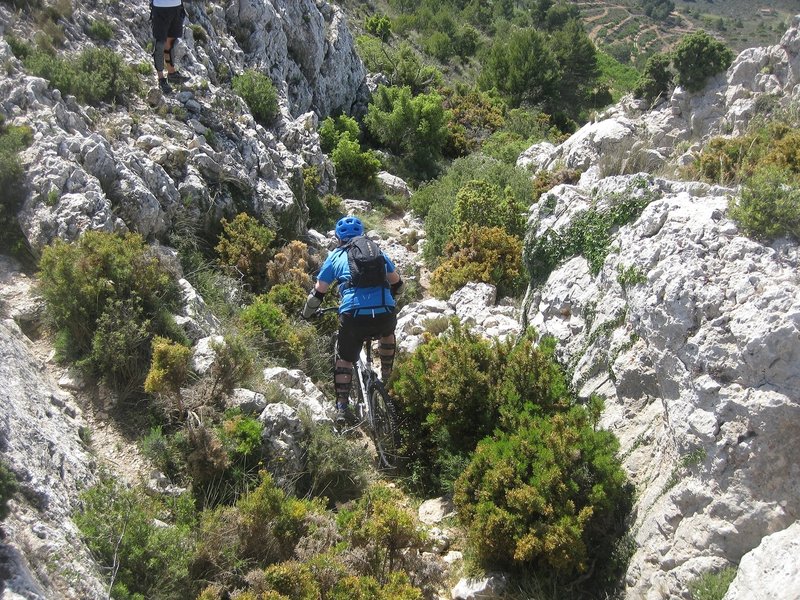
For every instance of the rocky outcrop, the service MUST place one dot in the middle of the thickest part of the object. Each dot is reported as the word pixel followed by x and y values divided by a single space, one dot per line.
pixel 692 334
pixel 630 137
pixel 40 438
pixel 186 160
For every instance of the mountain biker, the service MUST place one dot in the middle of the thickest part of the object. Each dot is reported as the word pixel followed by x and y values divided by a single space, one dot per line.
pixel 167 17
pixel 364 312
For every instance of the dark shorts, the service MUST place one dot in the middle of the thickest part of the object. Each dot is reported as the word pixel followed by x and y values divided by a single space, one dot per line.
pixel 354 331
pixel 167 22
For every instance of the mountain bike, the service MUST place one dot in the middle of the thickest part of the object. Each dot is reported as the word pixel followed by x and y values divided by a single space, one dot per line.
pixel 372 405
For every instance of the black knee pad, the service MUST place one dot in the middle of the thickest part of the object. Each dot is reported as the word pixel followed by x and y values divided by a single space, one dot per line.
pixel 158 55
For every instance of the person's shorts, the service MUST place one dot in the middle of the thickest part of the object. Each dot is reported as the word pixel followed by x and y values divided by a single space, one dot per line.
pixel 354 331
pixel 167 22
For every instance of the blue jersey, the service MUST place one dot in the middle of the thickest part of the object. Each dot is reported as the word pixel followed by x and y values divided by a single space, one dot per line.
pixel 360 301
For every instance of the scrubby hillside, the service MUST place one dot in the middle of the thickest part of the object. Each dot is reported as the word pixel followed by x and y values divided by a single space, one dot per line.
pixel 599 341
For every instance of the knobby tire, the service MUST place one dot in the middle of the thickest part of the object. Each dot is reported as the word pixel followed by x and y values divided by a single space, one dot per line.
pixel 384 426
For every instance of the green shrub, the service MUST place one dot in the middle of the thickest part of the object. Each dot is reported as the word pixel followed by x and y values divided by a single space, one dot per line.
pixel 588 234
pixel 697 57
pixel 712 586
pixel 356 170
pixel 119 527
pixel 480 254
pixel 262 528
pixel 546 496
pixel 12 188
pixel 244 248
pixel 293 580
pixel 96 75
pixel 379 25
pixel 107 297
pixel 447 405
pixel 769 205
pixel 332 130
pixel 167 452
pixel 655 80
pixel 415 127
pixel 505 146
pixel 279 337
pixel 258 92
pixel 8 487
pixel 101 30
pixel 521 66
pixel 322 212
pixel 482 204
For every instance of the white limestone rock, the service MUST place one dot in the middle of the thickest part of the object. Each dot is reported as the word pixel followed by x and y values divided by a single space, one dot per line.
pixel 699 361
pixel 770 571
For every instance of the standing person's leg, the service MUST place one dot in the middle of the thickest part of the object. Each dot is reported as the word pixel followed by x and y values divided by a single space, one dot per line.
pixel 160 20
pixel 174 31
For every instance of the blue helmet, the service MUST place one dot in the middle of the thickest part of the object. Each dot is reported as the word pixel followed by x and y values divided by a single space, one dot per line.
pixel 349 227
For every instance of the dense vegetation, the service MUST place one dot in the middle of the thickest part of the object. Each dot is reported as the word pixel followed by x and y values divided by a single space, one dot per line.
pixel 537 483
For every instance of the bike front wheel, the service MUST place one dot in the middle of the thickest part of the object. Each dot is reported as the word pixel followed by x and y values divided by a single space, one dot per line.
pixel 384 426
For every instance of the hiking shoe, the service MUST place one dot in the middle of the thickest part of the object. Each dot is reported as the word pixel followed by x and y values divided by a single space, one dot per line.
pixel 164 85
pixel 176 77
pixel 343 414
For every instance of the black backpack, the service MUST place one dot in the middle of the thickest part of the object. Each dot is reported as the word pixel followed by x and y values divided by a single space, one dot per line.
pixel 367 265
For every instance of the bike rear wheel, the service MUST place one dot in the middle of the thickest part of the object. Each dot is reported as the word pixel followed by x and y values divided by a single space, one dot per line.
pixel 384 426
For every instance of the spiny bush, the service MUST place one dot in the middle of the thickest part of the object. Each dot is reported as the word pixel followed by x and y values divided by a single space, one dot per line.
pixel 108 296
pixel 244 248
pixel 258 92
pixel 149 560
pixel 381 526
pixel 335 467
pixel 475 114
pixel 368 588
pixel 769 205
pixel 169 369
pixel 483 204
pixel 733 160
pixel 279 336
pixel 96 75
pixel 436 200
pixel 12 189
pixel 292 264
pixel 549 495
pixel 470 168
pixel 457 388
pixel 261 529
pixel 482 254
pixel 546 180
